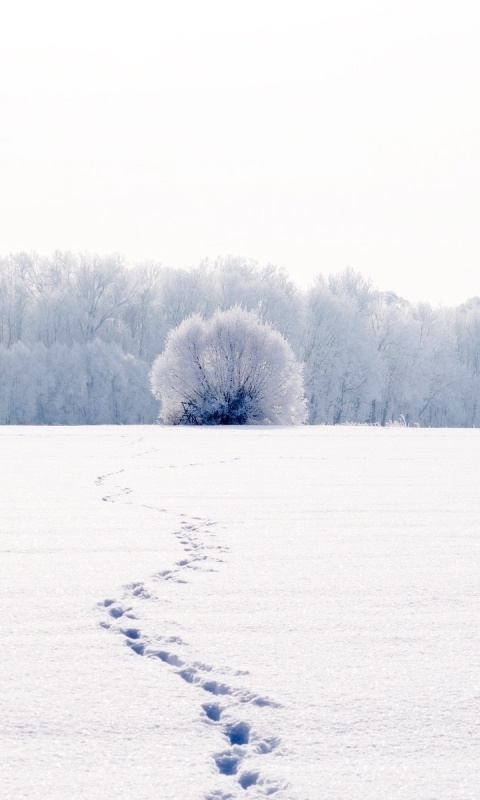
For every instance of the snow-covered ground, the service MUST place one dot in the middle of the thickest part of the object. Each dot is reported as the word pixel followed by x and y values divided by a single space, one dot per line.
pixel 213 614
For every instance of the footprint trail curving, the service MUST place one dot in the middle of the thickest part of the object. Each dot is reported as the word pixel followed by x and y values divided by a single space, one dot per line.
pixel 239 743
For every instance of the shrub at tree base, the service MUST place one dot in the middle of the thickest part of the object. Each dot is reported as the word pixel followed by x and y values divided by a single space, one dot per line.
pixel 229 370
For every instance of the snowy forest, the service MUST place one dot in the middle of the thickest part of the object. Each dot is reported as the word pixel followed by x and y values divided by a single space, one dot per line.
pixel 79 333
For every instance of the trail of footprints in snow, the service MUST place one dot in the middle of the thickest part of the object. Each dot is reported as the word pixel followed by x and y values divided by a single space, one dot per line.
pixel 119 617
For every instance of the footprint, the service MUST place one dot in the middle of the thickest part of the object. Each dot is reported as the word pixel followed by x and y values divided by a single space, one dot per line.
pixel 248 779
pixel 188 675
pixel 137 647
pixel 172 639
pixel 228 762
pixel 238 733
pixel 167 658
pixel 117 611
pixel 215 687
pixel 131 633
pixel 139 590
pixel 213 711
pixel 263 746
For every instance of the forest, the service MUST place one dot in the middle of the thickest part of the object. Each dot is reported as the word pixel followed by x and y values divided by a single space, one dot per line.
pixel 79 333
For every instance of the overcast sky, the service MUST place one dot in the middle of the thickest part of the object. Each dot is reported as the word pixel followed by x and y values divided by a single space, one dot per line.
pixel 313 136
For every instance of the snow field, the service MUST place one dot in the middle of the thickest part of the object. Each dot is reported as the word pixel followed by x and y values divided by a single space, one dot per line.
pixel 210 614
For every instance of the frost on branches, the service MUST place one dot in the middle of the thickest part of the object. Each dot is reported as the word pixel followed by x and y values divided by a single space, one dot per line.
pixel 229 370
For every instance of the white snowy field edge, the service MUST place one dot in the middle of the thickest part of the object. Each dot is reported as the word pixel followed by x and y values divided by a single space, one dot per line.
pixel 209 614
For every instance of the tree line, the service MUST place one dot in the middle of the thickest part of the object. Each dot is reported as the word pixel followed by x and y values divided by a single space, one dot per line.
pixel 79 333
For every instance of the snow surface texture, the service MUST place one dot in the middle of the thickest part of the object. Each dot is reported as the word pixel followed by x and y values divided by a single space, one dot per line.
pixel 213 614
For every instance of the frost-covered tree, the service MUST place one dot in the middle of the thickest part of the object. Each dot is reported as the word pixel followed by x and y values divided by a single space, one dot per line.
pixel 340 361
pixel 468 355
pixel 93 383
pixel 232 369
pixel 265 290
pixel 15 297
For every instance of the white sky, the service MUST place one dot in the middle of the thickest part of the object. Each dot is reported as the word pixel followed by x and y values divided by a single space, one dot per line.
pixel 313 136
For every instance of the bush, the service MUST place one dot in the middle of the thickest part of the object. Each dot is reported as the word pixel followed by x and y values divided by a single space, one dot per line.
pixel 229 370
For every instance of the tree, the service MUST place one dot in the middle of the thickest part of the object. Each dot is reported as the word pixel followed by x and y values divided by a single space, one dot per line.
pixel 15 297
pixel 340 360
pixel 267 291
pixel 229 370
